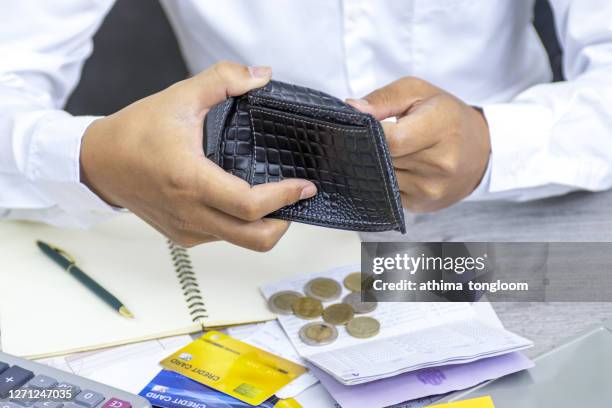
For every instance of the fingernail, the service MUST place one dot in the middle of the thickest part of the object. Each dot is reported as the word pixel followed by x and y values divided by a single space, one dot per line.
pixel 260 71
pixel 308 191
pixel 359 102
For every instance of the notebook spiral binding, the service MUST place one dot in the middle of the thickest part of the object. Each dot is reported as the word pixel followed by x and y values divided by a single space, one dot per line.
pixel 189 283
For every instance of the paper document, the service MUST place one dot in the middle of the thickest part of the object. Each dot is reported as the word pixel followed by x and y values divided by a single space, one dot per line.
pixel 422 383
pixel 129 367
pixel 412 336
pixel 271 337
pixel 243 331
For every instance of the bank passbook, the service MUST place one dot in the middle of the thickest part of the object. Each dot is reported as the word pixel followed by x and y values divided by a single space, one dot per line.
pixel 235 368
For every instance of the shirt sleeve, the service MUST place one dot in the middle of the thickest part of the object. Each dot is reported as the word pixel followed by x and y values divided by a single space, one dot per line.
pixel 43 47
pixel 555 138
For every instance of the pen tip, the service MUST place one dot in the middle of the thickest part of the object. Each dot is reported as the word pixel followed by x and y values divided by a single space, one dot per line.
pixel 125 312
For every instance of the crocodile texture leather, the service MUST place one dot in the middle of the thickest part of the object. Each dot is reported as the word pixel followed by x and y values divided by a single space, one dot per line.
pixel 288 131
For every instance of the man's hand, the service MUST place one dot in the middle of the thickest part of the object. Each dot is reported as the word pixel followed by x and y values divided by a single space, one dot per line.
pixel 440 146
pixel 149 158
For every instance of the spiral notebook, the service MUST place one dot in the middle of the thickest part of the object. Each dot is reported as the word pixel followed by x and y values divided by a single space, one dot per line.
pixel 170 290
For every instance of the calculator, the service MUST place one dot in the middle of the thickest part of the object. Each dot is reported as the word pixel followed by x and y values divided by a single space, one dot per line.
pixel 25 383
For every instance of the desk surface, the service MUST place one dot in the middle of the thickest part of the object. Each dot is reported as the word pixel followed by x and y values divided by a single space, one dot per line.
pixel 549 325
pixel 575 374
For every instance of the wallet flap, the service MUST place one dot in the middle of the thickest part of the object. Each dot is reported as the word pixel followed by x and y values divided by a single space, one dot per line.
pixel 214 124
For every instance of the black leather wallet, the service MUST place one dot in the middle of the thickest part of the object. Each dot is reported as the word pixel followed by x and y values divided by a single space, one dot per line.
pixel 288 131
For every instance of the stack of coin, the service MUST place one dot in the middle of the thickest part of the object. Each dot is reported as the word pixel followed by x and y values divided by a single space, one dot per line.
pixel 310 307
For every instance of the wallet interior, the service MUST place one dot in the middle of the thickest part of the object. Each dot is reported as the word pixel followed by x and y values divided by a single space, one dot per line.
pixel 343 153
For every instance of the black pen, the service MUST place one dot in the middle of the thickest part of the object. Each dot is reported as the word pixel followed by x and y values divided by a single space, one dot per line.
pixel 67 262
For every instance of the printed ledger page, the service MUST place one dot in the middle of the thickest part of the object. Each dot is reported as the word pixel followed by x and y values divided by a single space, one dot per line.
pixel 412 335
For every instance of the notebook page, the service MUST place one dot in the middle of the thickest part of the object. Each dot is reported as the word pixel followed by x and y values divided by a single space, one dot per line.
pixel 45 311
pixel 230 276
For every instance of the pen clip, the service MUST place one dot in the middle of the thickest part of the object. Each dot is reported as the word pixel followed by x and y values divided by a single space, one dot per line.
pixel 65 254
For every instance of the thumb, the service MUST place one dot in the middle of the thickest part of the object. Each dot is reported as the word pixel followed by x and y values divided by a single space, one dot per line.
pixel 394 99
pixel 225 79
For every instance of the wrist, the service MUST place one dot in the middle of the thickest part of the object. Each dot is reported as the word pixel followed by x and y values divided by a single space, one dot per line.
pixel 92 161
pixel 485 143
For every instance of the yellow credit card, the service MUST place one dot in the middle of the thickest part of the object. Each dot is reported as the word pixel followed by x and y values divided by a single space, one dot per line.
pixel 482 402
pixel 288 403
pixel 235 368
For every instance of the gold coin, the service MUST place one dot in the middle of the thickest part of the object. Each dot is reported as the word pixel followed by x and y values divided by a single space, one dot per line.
pixel 367 283
pixel 318 334
pixel 338 313
pixel 324 289
pixel 363 327
pixel 281 302
pixel 353 282
pixel 307 308
pixel 354 300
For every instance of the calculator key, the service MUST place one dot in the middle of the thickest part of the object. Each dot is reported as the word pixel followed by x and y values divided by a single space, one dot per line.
pixel 74 390
pixel 42 382
pixel 23 402
pixel 71 405
pixel 6 404
pixel 13 378
pixel 48 404
pixel 3 366
pixel 24 393
pixel 116 403
pixel 89 398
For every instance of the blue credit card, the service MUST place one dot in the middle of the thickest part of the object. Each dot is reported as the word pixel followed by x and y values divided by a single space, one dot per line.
pixel 172 390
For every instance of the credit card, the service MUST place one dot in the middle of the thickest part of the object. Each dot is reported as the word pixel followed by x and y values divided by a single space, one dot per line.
pixel 172 390
pixel 228 365
pixel 482 402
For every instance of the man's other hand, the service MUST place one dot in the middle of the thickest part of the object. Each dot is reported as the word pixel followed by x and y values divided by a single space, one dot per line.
pixel 440 146
pixel 149 159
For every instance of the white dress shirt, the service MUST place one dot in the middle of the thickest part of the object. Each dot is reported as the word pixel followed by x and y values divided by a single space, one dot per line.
pixel 547 139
